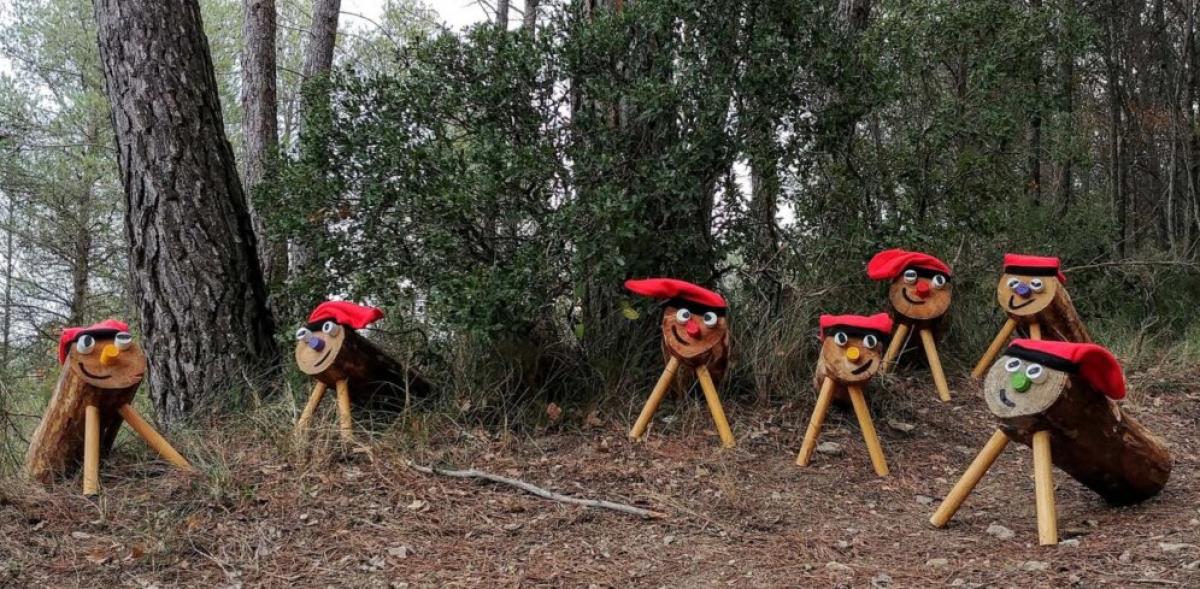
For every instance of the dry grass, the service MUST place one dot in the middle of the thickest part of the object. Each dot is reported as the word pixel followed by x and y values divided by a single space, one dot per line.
pixel 269 513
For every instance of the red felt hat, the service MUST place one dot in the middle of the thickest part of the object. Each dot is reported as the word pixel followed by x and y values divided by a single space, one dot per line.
pixel 889 264
pixel 880 323
pixel 346 313
pixel 70 334
pixel 1034 266
pixel 671 288
pixel 1093 363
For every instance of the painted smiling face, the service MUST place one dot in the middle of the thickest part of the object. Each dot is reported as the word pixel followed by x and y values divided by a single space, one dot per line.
pixel 920 293
pixel 691 332
pixel 110 360
pixel 1026 295
pixel 317 346
pixel 850 355
pixel 1017 387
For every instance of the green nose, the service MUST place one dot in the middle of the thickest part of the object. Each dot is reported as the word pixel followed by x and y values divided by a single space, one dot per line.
pixel 1021 383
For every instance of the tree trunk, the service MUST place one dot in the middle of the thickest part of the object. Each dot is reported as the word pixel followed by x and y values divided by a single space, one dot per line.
pixel 531 11
pixel 318 61
pixel 1066 188
pixel 1115 149
pixel 260 125
pixel 1034 188
pixel 195 273
pixel 502 14
pixel 8 282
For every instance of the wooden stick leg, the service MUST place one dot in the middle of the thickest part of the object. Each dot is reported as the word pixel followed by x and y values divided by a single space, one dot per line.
pixel 314 400
pixel 153 438
pixel 656 397
pixel 714 406
pixel 868 429
pixel 345 422
pixel 894 347
pixel 815 422
pixel 1035 330
pixel 994 350
pixel 1043 481
pixel 935 365
pixel 91 450
pixel 969 479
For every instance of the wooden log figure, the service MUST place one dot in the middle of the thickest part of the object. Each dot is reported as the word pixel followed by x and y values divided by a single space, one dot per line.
pixel 1033 293
pixel 919 296
pixel 330 350
pixel 1059 398
pixel 695 330
pixel 851 354
pixel 102 367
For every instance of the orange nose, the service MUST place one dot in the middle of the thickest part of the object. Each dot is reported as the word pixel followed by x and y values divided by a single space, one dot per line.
pixel 693 329
pixel 109 354
pixel 922 289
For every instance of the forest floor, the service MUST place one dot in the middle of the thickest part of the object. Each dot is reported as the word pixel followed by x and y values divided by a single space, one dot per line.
pixel 267 515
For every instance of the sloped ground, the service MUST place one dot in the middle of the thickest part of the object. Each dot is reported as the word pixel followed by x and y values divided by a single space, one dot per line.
pixel 267 515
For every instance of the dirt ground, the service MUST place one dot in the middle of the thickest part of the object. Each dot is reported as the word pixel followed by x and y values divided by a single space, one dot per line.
pixel 265 515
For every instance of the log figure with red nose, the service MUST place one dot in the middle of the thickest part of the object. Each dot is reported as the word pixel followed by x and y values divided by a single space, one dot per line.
pixel 851 347
pixel 102 367
pixel 1060 399
pixel 695 331
pixel 1033 293
pixel 330 350
pixel 919 296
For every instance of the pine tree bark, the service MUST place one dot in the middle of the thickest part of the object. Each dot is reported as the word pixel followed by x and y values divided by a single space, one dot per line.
pixel 502 14
pixel 530 17
pixel 196 279
pixel 318 61
pixel 260 125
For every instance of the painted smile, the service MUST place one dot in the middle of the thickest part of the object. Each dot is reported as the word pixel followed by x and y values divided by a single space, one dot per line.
pixel 323 357
pixel 1012 303
pixel 863 368
pixel 904 293
pixel 90 375
pixel 1004 399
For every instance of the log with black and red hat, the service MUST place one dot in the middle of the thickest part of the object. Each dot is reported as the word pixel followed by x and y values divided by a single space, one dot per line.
pixel 919 295
pixel 102 368
pixel 1032 292
pixel 695 332
pixel 329 349
pixel 1060 398
pixel 851 353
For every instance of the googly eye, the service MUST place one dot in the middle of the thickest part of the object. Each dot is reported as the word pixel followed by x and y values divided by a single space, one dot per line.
pixel 1037 285
pixel 910 276
pixel 710 319
pixel 840 338
pixel 330 328
pixel 1012 365
pixel 85 344
pixel 939 281
pixel 1036 373
pixel 683 315
pixel 1013 282
pixel 123 340
pixel 302 333
pixel 870 341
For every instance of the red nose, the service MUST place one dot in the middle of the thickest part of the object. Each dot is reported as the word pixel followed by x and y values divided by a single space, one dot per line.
pixel 693 329
pixel 922 289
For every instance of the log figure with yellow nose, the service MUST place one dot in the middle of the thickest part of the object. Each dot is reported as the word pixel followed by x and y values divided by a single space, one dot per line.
pixel 102 367
pixel 851 354
pixel 695 331
pixel 918 297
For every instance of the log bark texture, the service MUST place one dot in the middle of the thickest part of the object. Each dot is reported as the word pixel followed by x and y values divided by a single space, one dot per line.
pixel 201 296
pixel 1059 321
pixel 56 448
pixel 1092 440
pixel 377 381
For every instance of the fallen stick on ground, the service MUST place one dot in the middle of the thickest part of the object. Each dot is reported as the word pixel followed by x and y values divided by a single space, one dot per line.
pixel 536 490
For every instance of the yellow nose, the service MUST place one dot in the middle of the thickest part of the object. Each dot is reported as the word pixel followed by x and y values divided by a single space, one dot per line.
pixel 109 354
pixel 852 354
